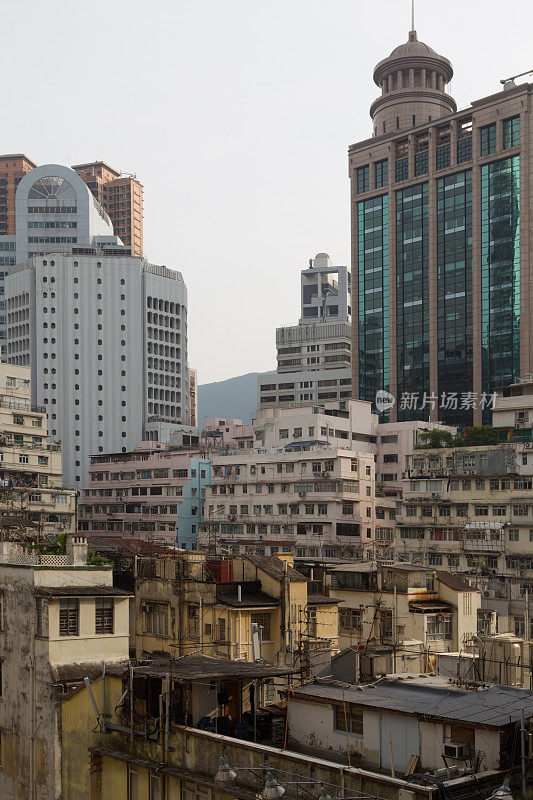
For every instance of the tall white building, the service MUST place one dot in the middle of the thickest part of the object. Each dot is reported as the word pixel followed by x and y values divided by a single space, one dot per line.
pixel 314 357
pixel 105 333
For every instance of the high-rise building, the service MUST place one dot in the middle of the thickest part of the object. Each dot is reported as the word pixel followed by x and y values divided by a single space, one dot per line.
pixel 121 196
pixel 12 170
pixel 440 260
pixel 193 394
pixel 105 333
pixel 314 356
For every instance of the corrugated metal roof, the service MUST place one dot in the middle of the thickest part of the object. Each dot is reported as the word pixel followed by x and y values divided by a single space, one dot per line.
pixel 491 706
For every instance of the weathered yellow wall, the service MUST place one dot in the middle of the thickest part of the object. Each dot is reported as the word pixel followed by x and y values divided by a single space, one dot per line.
pixel 78 722
pixel 327 621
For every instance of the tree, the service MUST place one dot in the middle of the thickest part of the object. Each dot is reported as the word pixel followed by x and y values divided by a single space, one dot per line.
pixel 478 435
pixel 435 438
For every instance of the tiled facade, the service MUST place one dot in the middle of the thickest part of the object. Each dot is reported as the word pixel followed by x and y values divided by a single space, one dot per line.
pixel 12 170
pixel 440 244
pixel 122 198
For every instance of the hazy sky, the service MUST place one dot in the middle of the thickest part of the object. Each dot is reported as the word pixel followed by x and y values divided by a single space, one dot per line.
pixel 236 115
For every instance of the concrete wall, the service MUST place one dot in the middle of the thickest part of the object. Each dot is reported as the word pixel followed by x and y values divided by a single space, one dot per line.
pixel 89 646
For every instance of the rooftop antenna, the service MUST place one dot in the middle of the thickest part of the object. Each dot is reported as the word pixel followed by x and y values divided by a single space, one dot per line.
pixel 412 34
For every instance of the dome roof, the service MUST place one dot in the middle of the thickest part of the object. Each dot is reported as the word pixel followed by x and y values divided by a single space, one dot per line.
pixel 412 50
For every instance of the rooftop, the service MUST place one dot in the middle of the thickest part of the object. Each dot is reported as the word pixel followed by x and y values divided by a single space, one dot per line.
pixel 429 696
pixel 276 568
pixel 321 600
pixel 251 595
pixel 190 668
pixel 80 591
pixel 453 581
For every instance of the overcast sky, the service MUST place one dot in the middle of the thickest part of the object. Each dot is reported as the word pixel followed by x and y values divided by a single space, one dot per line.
pixel 236 115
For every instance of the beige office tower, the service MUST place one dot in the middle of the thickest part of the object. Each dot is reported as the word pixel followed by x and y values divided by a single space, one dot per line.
pixel 440 203
pixel 122 198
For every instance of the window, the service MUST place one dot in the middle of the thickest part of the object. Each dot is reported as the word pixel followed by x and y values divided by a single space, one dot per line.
pixel 40 622
pixel 323 508
pixel 402 169
pixel 350 719
pixel 481 511
pixel 222 630
pixel 381 173
pixel 350 618
pixel 511 132
pixel 438 626
pixel 513 535
pixel 284 433
pixel 363 179
pixel 103 615
pixel 499 511
pixel 435 560
pixel 156 618
pixel 521 510
pixel 262 620
pixel 488 139
pixel 68 617
pixel 23 459
pixel 480 485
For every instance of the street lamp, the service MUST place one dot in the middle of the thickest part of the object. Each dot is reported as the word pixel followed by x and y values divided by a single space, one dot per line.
pixel 224 773
pixel 272 789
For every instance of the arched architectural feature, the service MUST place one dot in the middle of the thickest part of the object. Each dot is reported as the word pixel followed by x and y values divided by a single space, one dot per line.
pixel 55 210
pixel 413 83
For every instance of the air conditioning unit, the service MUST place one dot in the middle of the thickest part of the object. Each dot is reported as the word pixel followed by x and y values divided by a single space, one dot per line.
pixel 456 750
pixel 302 494
pixel 528 445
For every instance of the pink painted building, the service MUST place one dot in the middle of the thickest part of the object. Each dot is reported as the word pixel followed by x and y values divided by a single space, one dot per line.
pixel 154 492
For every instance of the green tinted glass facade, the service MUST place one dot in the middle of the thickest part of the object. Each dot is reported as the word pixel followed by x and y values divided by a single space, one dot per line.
pixel 412 287
pixel 454 293
pixel 500 272
pixel 373 269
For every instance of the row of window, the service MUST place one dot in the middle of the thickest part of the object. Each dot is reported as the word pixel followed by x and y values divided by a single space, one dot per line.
pixel 69 616
pixel 488 138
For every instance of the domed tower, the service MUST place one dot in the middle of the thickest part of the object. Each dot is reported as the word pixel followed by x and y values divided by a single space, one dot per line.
pixel 412 82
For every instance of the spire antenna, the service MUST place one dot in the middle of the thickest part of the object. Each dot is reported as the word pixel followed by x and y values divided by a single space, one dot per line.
pixel 412 15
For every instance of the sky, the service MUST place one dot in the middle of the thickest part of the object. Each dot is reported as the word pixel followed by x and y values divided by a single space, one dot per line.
pixel 236 115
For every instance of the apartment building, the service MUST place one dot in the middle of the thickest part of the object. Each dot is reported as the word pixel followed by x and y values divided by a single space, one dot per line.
pixel 411 609
pixel 61 618
pixel 154 492
pixel 308 497
pixel 12 170
pixel 246 608
pixel 469 508
pixel 344 424
pixel 227 433
pixel 193 394
pixel 313 357
pixel 77 295
pixel 33 500
pixel 121 196
pixel 173 749
pixel 440 309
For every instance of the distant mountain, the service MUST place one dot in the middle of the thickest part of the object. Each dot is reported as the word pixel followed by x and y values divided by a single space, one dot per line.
pixel 234 398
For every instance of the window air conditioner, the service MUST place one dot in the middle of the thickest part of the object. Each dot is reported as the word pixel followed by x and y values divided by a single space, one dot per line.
pixel 456 750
